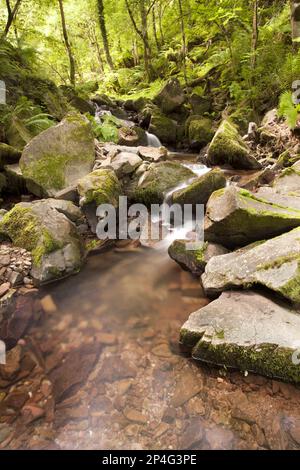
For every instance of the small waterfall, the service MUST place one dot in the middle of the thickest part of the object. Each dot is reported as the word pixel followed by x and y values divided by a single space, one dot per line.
pixel 152 140
pixel 101 112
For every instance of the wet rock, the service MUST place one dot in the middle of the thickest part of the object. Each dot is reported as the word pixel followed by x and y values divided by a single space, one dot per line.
pixel 170 97
pixel 199 191
pixel 134 415
pixel 17 317
pixel 193 434
pixel 5 431
pixel 263 343
pixel 4 288
pixel 66 378
pixel 235 217
pixel 273 264
pixel 194 260
pixel 59 156
pixel 50 236
pixel 153 154
pixel 99 187
pixel 219 438
pixel 187 386
pixel 132 136
pixel 153 185
pixel 115 368
pixel 31 413
pixel 13 363
pixel 228 148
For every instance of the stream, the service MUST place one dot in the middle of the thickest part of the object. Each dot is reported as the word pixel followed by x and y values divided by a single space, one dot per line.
pixel 120 378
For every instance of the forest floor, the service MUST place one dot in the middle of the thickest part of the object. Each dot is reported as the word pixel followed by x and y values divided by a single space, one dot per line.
pixel 97 373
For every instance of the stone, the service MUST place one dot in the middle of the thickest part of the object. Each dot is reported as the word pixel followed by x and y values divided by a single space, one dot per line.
pixel 9 370
pixel 132 136
pixel 199 131
pixel 235 217
pixel 5 431
pixel 124 163
pixel 192 435
pixel 273 263
pixel 228 148
pixel 246 331
pixel 288 182
pixel 48 304
pixel 100 187
pixel 16 183
pixel 4 288
pixel 59 156
pixel 8 154
pixel 153 185
pixel 187 386
pixel 153 154
pixel 170 97
pixel 115 368
pixel 66 377
pixel 199 191
pixel 134 415
pixel 194 260
pixel 52 239
pixel 31 413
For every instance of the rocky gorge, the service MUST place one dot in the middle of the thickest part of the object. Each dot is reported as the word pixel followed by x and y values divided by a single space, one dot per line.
pixel 241 288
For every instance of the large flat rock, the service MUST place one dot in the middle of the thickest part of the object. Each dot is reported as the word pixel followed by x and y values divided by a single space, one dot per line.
pixel 236 217
pixel 247 331
pixel 274 264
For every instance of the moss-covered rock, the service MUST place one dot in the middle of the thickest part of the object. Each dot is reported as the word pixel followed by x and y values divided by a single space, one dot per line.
pixel 8 154
pixel 274 264
pixel 199 131
pixel 164 128
pixel 194 260
pixel 199 191
pixel 153 185
pixel 48 234
pixel 132 136
pixel 16 183
pixel 3 182
pixel 101 187
pixel 170 97
pixel 228 148
pixel 246 331
pixel 59 156
pixel 235 217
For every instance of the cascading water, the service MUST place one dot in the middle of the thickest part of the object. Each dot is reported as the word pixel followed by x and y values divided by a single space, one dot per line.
pixel 152 140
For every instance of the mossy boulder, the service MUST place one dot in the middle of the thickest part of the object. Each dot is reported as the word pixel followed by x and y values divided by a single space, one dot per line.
pixel 99 187
pixel 59 156
pixel 246 331
pixel 200 104
pixel 164 128
pixel 236 217
pixel 123 163
pixel 199 191
pixel 199 131
pixel 48 234
pixel 191 258
pixel 288 182
pixel 8 154
pixel 16 183
pixel 228 148
pixel 3 182
pixel 274 264
pixel 170 97
pixel 154 184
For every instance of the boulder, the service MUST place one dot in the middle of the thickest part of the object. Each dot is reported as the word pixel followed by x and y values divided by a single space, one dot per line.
pixel 194 260
pixel 288 182
pixel 99 187
pixel 49 235
pixel 123 163
pixel 228 148
pixel 236 217
pixel 246 331
pixel 170 97
pixel 164 128
pixel 3 182
pixel 154 184
pixel 200 104
pixel 16 183
pixel 199 191
pixel 8 154
pixel 274 264
pixel 59 156
pixel 153 154
pixel 199 131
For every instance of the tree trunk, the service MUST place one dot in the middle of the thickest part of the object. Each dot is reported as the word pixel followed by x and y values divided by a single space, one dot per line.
pixel 155 30
pixel 183 40
pixel 11 14
pixel 104 33
pixel 255 33
pixel 295 22
pixel 67 43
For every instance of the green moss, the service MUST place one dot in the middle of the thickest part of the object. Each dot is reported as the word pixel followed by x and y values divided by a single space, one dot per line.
pixel 199 191
pixel 24 229
pixel 48 171
pixel 265 359
pixel 100 186
pixel 199 130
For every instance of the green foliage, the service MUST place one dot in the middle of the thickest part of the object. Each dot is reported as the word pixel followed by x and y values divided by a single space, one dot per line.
pixel 288 110
pixel 107 129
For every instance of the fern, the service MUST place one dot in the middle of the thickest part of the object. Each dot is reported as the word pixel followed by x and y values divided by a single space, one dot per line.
pixel 288 110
